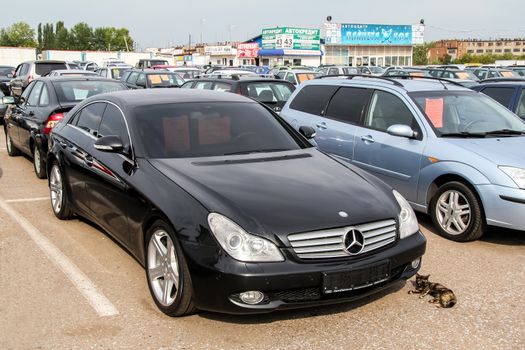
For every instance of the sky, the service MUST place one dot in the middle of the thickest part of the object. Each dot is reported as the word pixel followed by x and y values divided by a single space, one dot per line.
pixel 166 23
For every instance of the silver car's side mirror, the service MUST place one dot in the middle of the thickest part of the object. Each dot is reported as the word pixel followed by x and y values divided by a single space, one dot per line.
pixel 401 130
pixel 8 100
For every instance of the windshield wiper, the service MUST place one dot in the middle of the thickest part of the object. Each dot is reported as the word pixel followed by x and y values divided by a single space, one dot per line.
pixel 463 134
pixel 257 151
pixel 505 132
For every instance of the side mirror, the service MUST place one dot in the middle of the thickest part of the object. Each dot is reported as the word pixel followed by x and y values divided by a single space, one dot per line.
pixel 110 144
pixel 141 84
pixel 401 130
pixel 307 131
pixel 10 75
pixel 8 100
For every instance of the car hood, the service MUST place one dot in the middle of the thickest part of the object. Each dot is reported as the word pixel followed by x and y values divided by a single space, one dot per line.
pixel 498 150
pixel 273 194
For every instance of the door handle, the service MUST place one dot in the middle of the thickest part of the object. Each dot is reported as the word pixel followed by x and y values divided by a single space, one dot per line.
pixel 31 113
pixel 321 125
pixel 88 160
pixel 62 143
pixel 367 139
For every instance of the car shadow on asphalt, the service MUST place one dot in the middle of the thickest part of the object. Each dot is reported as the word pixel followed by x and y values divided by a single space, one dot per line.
pixel 495 235
pixel 308 312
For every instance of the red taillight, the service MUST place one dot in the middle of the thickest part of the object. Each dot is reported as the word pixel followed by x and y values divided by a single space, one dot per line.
pixel 51 121
pixel 238 92
pixel 29 78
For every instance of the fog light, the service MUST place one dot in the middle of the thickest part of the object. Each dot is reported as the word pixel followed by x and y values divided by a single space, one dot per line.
pixel 251 297
pixel 415 263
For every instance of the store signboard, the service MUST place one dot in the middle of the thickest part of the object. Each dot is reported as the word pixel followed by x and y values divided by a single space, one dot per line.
pixel 248 50
pixel 291 38
pixel 418 34
pixel 373 34
pixel 219 50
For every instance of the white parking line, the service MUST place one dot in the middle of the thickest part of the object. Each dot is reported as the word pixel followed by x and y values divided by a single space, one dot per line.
pixel 96 299
pixel 21 200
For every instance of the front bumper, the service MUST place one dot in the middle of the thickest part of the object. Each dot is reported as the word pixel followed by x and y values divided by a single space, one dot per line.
pixel 289 284
pixel 503 206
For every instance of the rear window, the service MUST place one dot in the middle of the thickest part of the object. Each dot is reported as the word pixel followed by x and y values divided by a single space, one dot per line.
pixel 313 99
pixel 76 91
pixel 118 72
pixel 268 92
pixel 44 68
pixel 306 76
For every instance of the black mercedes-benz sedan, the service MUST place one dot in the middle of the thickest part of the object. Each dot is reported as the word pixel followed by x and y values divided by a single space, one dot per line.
pixel 226 206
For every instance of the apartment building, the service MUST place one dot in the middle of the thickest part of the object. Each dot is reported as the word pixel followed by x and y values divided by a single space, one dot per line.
pixel 459 48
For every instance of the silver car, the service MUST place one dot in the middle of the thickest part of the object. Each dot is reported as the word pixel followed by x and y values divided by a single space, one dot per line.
pixel 451 152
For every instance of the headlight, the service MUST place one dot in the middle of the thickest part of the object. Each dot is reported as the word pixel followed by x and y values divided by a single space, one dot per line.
pixel 407 218
pixel 516 174
pixel 241 245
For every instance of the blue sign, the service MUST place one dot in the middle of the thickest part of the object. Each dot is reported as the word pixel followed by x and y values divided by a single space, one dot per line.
pixel 376 34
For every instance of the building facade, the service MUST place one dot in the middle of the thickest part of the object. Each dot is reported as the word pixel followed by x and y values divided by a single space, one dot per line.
pixel 357 44
pixel 459 48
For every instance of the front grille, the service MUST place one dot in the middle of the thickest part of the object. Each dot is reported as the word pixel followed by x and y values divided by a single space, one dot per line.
pixel 326 244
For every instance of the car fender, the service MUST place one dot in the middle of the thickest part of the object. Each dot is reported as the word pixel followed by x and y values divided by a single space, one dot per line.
pixel 433 171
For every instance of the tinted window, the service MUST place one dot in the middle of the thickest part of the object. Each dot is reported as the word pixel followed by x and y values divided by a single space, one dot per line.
pixel 387 110
pixel 25 69
pixel 125 75
pixel 90 116
pixel 521 105
pixel 44 96
pixel 116 73
pixel 333 71
pixel 348 104
pixel 164 80
pixel 290 78
pixel 26 92
pixel 44 68
pixel 500 94
pixel 141 79
pixel 313 99
pixel 269 91
pixel 203 85
pixel 113 124
pixel 78 90
pixel 187 85
pixel 34 96
pixel 210 129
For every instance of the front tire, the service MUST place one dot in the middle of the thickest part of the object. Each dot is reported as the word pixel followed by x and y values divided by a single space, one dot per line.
pixel 11 149
pixel 457 212
pixel 38 163
pixel 59 199
pixel 167 271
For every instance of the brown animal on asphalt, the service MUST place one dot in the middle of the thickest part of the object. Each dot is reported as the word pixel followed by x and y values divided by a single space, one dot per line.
pixel 441 294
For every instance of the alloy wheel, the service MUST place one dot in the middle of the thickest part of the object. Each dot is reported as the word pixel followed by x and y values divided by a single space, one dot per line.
pixel 37 159
pixel 56 188
pixel 163 268
pixel 453 212
pixel 8 143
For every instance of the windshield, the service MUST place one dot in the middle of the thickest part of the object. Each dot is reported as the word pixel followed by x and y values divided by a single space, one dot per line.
pixel 376 70
pixel 306 76
pixel 6 70
pixel 76 91
pixel 350 70
pixel 186 130
pixel 452 112
pixel 164 80
pixel 268 92
pixel 465 75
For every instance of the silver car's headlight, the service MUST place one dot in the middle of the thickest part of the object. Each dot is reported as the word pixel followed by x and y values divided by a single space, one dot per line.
pixel 408 224
pixel 241 245
pixel 516 174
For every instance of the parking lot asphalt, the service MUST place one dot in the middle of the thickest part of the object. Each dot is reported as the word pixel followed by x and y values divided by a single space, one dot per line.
pixel 67 285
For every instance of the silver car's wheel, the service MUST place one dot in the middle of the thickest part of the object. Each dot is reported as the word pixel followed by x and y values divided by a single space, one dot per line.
pixel 56 187
pixel 453 212
pixel 163 267
pixel 8 143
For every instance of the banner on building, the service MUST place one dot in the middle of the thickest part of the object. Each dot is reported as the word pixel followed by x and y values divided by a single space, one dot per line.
pixel 372 34
pixel 219 50
pixel 291 38
pixel 248 50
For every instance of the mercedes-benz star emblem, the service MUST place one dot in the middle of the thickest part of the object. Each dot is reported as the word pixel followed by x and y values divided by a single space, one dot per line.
pixel 354 242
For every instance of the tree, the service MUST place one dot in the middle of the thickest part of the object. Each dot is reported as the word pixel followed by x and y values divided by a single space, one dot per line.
pixel 40 43
pixel 81 37
pixel 62 37
pixel 19 34
pixel 48 37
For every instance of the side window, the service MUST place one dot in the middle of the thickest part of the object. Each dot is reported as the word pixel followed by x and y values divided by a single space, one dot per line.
pixel 125 76
pixel 25 69
pixel 26 92
pixel 90 116
pixel 493 74
pixel 387 110
pixel 333 71
pixel 313 99
pixel 133 77
pixel 203 85
pixel 502 95
pixel 348 104
pixel 18 70
pixel 479 73
pixel 44 96
pixel 520 111
pixel 34 96
pixel 291 78
pixel 113 124
pixel 222 87
pixel 104 73
pixel 187 85
pixel 141 79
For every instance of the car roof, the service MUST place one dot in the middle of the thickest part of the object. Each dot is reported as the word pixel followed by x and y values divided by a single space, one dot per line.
pixel 77 78
pixel 503 83
pixel 408 85
pixel 78 71
pixel 147 97
pixel 151 71
pixel 302 71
